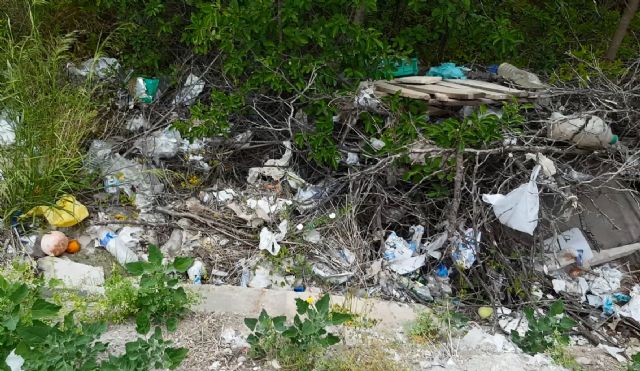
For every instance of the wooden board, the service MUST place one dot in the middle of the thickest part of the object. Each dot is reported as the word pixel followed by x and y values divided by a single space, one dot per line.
pixel 488 94
pixel 407 93
pixel 483 85
pixel 418 80
pixel 453 93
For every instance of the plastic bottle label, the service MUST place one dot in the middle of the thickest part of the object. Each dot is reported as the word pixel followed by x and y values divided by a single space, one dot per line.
pixel 104 241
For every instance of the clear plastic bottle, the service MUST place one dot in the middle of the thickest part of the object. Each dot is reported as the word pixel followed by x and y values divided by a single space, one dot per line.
pixel 116 246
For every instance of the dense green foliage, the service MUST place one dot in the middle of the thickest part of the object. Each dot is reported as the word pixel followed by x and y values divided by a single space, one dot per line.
pixel 301 52
pixel 159 299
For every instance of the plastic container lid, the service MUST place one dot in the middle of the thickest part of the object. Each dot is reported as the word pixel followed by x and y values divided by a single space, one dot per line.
pixel 614 139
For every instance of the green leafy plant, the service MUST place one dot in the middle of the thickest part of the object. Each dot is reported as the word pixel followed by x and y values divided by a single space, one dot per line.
pixel 425 328
pixel 544 331
pixel 295 346
pixel 634 365
pixel 213 119
pixel 30 326
pixel 159 300
pixel 321 145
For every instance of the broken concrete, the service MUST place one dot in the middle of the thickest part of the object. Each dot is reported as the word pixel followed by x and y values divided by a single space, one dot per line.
pixel 250 302
pixel 73 275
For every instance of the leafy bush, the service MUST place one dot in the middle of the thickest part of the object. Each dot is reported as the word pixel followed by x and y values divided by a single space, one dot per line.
pixel 297 346
pixel 159 300
pixel 30 326
pixel 544 331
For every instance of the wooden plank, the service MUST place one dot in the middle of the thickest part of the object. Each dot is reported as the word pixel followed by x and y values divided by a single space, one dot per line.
pixel 404 92
pixel 490 87
pixel 450 92
pixel 488 94
pixel 418 80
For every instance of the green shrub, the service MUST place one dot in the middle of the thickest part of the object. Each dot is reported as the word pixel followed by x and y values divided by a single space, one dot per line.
pixel 159 299
pixel 31 327
pixel 298 346
pixel 544 331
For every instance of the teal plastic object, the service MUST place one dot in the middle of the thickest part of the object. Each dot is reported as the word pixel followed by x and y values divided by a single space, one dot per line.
pixel 151 86
pixel 447 71
pixel 406 68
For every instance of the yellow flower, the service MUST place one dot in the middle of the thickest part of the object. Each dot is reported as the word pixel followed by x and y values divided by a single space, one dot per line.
pixel 309 300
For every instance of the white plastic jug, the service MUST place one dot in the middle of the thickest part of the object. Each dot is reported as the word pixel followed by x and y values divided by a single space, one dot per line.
pixel 586 131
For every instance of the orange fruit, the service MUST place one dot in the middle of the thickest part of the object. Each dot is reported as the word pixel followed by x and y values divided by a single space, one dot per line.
pixel 73 247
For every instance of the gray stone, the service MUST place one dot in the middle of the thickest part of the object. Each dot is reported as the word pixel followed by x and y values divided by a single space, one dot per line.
pixel 73 275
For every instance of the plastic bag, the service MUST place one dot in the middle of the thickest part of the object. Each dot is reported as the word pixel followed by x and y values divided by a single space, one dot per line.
pixel 519 208
pixel 66 213
pixel 447 71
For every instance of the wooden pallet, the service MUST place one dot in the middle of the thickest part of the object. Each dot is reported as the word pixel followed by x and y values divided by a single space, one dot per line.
pixel 449 92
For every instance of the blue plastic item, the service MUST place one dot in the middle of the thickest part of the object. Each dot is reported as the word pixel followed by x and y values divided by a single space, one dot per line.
pixel 447 71
pixel 607 306
pixel 299 289
pixel 493 68
pixel 442 271
pixel 621 298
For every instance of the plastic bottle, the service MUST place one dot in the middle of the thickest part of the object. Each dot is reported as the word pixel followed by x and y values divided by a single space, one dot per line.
pixel 117 247
pixel 196 271
pixel 586 132
pixel 522 78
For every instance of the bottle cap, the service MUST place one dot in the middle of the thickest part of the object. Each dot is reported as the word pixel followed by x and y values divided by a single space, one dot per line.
pixel 614 139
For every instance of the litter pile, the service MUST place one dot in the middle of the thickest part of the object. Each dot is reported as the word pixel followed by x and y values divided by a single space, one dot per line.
pixel 517 211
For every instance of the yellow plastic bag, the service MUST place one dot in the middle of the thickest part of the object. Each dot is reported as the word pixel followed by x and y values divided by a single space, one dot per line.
pixel 67 212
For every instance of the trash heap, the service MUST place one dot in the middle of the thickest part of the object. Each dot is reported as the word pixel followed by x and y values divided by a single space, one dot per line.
pixel 547 210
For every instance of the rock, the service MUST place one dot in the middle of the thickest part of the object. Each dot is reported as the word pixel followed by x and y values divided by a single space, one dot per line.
pixel 583 361
pixel 230 337
pixel 54 243
pixel 73 275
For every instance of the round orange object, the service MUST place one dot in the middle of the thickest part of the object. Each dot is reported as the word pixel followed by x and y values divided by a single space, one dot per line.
pixel 73 247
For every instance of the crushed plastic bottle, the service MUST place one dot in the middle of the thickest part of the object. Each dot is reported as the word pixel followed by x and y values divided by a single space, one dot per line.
pixel 520 77
pixel 116 245
pixel 586 132
pixel 196 272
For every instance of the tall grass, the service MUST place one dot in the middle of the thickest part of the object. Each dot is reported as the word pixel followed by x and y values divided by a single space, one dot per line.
pixel 52 118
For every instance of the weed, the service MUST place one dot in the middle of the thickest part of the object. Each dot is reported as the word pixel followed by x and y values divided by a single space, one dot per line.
pixel 51 118
pixel 298 346
pixel 370 355
pixel 562 357
pixel 120 299
pixel 31 327
pixel 546 331
pixel 438 323
pixel 425 329
pixel 159 299
pixel 634 365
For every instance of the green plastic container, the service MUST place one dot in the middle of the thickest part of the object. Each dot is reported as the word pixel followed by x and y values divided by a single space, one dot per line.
pixel 406 68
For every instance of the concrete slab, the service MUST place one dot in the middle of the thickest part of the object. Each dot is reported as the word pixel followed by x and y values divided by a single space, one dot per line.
pixel 249 302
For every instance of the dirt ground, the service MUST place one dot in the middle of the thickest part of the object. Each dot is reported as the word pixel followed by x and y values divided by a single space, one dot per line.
pixel 216 342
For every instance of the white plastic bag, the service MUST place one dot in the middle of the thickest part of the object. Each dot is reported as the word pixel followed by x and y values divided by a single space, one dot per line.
pixel 519 208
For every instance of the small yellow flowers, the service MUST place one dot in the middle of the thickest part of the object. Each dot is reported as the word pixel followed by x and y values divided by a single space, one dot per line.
pixel 309 300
